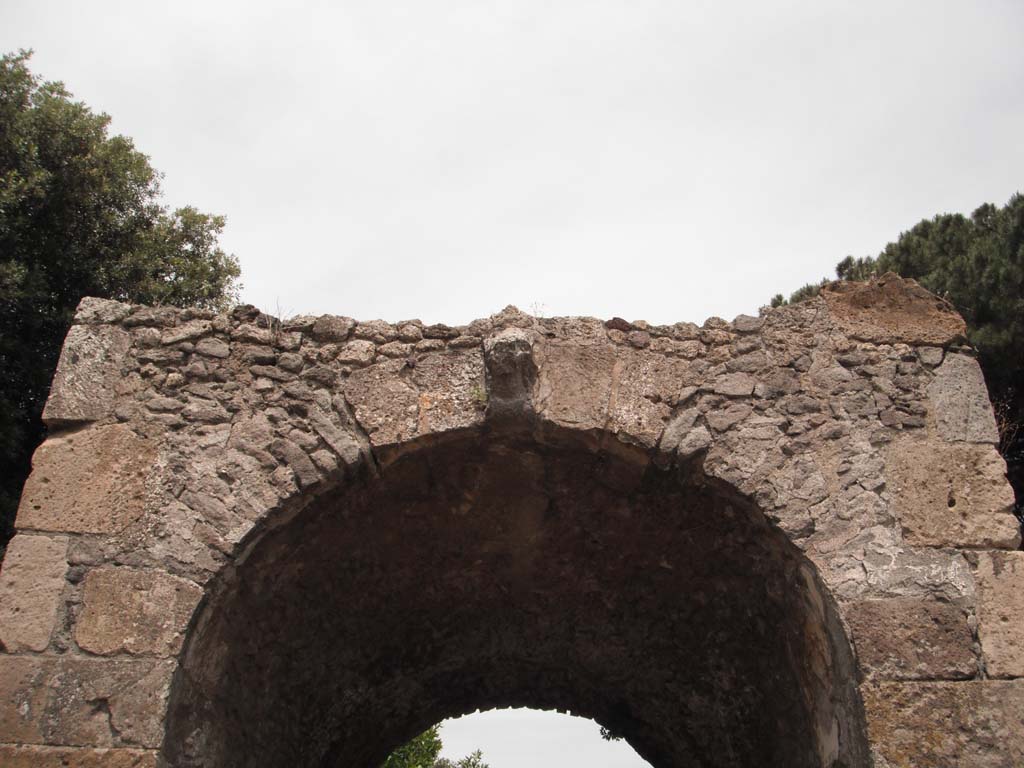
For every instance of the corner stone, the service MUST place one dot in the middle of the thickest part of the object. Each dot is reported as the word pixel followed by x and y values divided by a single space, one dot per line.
pixel 85 384
pixel 960 401
pixel 31 584
pixel 1000 579
pixel 88 481
pixel 951 494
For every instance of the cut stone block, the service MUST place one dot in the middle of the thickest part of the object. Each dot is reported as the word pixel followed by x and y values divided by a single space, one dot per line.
pixel 76 701
pixel 970 724
pixel 959 400
pixel 85 384
pixel 91 480
pixel 951 495
pixel 1000 578
pixel 912 638
pixel 70 757
pixel 126 610
pixel 31 583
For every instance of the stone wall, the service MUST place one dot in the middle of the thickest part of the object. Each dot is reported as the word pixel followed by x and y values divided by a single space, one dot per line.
pixel 185 445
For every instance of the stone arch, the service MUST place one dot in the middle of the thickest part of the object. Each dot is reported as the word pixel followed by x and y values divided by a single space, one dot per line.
pixel 850 436
pixel 493 569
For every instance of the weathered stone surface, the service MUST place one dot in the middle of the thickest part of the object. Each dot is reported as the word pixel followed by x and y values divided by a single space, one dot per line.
pixel 189 331
pixel 959 400
pixel 142 612
pixel 70 757
pixel 92 480
pixel 892 309
pixel 644 390
pixel 685 503
pixel 74 701
pixel 575 384
pixel 912 638
pixel 969 724
pixel 951 494
pixel 92 310
pixel 395 402
pixel 213 348
pixel 31 583
pixel 86 383
pixel 1000 578
pixel 332 328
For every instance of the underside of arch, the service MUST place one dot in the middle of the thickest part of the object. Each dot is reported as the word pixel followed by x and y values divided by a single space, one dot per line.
pixel 497 570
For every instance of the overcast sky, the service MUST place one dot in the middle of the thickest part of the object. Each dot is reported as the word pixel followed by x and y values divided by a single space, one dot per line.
pixel 654 160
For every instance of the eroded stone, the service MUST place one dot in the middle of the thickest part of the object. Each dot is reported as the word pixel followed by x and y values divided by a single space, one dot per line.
pixel 141 612
pixel 912 638
pixel 1000 577
pixel 951 495
pixel 960 401
pixel 92 480
pixel 31 584
pixel 86 382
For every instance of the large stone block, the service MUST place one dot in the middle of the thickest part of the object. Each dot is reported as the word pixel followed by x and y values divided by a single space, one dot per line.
pixel 31 583
pixel 575 384
pixel 912 638
pixel 646 387
pixel 91 480
pixel 1000 579
pixel 959 401
pixel 951 494
pixel 893 309
pixel 77 701
pixel 397 401
pixel 86 383
pixel 127 610
pixel 969 724
pixel 69 757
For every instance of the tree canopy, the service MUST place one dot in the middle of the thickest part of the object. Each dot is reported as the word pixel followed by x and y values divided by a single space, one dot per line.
pixel 423 752
pixel 80 215
pixel 977 263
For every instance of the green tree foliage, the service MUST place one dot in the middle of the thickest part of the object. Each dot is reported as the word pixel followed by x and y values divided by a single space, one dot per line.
pixel 420 752
pixel 79 216
pixel 423 752
pixel 977 263
pixel 474 760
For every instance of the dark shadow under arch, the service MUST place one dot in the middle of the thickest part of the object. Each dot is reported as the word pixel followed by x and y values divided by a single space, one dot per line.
pixel 495 570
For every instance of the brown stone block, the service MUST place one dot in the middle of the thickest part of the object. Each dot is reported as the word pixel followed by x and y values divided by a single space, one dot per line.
pixel 1000 579
pixel 912 638
pixel 31 583
pixel 959 401
pixel 24 694
pixel 395 401
pixel 575 384
pixel 77 701
pixel 970 724
pixel 134 611
pixel 893 309
pixel 64 757
pixel 646 387
pixel 951 494
pixel 91 480
pixel 86 382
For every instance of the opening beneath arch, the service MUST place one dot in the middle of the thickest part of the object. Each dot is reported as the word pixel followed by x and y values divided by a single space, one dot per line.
pixel 494 571
pixel 507 738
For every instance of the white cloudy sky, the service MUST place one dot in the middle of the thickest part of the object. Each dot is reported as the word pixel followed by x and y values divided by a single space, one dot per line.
pixel 653 159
